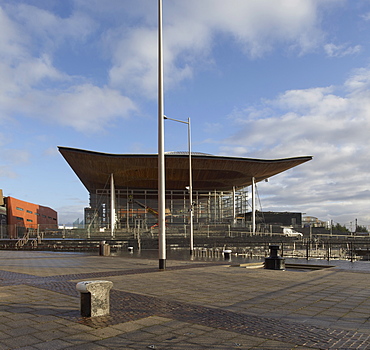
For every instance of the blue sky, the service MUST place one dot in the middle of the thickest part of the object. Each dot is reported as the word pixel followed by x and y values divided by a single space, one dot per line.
pixel 258 78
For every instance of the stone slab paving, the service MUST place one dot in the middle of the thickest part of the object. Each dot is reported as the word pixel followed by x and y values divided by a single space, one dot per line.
pixel 190 305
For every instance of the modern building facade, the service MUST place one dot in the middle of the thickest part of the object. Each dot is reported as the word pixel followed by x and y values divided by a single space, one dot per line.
pixel 123 188
pixel 277 218
pixel 22 216
pixel 3 216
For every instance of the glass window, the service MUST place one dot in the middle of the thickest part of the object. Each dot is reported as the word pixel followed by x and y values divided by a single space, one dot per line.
pixel 29 211
pixel 18 208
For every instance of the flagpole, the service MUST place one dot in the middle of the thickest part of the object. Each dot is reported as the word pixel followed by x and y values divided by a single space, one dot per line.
pixel 161 161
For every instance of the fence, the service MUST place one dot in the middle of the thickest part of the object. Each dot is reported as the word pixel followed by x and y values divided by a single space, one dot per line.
pixel 211 237
pixel 308 249
pixel 19 231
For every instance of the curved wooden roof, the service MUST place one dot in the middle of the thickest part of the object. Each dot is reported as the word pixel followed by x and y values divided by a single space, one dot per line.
pixel 140 171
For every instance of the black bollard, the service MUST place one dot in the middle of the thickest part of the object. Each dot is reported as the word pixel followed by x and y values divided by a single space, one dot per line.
pixel 227 254
pixel 274 261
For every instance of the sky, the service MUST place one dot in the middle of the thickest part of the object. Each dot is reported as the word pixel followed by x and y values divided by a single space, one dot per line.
pixel 258 78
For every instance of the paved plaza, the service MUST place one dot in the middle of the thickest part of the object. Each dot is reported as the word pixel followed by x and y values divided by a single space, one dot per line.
pixel 190 305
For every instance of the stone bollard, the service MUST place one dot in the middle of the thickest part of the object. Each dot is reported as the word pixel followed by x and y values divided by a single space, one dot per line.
pixel 94 297
pixel 274 261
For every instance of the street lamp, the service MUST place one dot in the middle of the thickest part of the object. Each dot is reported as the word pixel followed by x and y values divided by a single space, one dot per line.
pixel 190 182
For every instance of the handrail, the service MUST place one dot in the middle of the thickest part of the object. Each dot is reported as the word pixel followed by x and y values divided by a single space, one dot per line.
pixel 22 241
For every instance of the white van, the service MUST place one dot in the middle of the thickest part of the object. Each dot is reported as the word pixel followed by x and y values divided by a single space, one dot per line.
pixel 289 232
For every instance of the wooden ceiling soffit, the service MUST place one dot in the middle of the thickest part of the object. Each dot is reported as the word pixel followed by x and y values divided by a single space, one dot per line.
pixel 140 171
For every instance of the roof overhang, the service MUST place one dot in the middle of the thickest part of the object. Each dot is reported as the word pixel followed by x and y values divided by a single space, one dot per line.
pixel 140 171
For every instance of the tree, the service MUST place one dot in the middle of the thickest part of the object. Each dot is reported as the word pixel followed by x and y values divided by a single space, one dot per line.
pixel 361 229
pixel 340 228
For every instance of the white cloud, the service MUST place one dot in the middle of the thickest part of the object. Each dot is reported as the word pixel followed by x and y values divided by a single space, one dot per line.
pixel 4 139
pixel 69 214
pixel 31 36
pixel 86 108
pixel 366 16
pixel 191 29
pixel 9 159
pixel 48 30
pixel 52 152
pixel 333 50
pixel 260 24
pixel 359 82
pixel 33 86
pixel 16 156
pixel 34 71
pixel 5 172
pixel 237 151
pixel 12 39
pixel 213 128
pixel 334 129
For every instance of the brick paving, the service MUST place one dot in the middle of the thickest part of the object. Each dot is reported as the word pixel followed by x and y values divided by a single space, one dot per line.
pixel 190 305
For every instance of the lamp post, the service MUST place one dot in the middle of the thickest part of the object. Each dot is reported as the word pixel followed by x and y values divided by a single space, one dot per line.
pixel 253 205
pixel 190 182
pixel 161 165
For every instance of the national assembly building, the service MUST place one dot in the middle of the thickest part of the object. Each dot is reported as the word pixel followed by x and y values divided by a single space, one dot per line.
pixel 123 188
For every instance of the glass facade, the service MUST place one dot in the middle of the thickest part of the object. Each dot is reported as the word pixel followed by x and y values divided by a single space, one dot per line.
pixel 138 208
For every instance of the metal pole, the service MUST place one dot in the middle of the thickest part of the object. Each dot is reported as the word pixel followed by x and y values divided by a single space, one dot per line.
pixel 253 206
pixel 190 183
pixel 234 206
pixel 307 249
pixel 161 164
pixel 112 206
pixel 190 192
pixel 331 228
